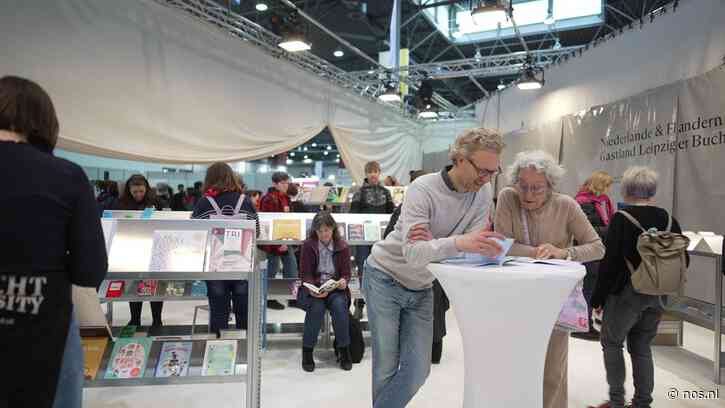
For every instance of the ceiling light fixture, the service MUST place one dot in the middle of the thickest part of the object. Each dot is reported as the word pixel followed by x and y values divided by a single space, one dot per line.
pixel 261 7
pixel 314 145
pixel 529 80
pixel 290 161
pixel 294 43
pixel 489 10
pixel 557 44
pixel 338 53
pixel 306 157
pixel 391 94
pixel 307 161
pixel 325 152
pixel 501 86
pixel 329 147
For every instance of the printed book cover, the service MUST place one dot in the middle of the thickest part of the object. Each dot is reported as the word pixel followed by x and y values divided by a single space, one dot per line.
pixel 103 289
pixel 355 232
pixel 146 287
pixel 115 289
pixel 219 357
pixel 178 251
pixel 198 288
pixel 174 359
pixel 231 250
pixel 342 230
pixel 128 359
pixel 287 229
pixel 172 288
pixel 93 349
pixel 372 231
pixel 265 228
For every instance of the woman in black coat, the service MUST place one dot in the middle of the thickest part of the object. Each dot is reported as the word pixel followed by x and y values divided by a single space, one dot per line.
pixel 137 195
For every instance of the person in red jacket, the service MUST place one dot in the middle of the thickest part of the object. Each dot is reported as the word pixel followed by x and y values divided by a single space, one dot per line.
pixel 276 200
pixel 325 256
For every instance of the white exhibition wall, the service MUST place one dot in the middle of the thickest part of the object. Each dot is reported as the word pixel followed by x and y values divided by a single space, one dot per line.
pixel 137 80
pixel 676 46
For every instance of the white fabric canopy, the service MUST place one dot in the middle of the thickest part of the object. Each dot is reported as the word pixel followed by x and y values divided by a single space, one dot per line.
pixel 138 80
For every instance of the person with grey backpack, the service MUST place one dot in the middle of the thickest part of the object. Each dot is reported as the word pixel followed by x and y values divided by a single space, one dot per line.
pixel 224 199
pixel 646 258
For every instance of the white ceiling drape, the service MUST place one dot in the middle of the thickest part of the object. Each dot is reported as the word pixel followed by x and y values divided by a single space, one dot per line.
pixel 138 80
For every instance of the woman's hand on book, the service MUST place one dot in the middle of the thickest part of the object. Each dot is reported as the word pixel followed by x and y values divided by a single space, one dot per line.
pixel 548 251
pixel 320 296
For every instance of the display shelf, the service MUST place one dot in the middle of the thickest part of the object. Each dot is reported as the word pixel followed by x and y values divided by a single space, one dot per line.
pixel 195 368
pixel 297 243
pixel 178 275
pixel 694 311
pixel 704 314
pixel 133 247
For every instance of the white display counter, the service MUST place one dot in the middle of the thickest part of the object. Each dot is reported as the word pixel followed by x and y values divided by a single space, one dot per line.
pixel 506 315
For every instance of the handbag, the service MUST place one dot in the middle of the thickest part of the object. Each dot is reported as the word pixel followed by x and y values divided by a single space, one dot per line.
pixel 574 315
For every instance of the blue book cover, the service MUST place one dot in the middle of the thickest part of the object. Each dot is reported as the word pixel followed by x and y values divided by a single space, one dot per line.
pixel 198 288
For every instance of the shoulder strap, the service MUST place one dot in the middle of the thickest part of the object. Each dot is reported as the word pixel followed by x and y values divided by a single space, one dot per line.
pixel 669 222
pixel 632 220
pixel 214 205
pixel 238 207
pixel 460 220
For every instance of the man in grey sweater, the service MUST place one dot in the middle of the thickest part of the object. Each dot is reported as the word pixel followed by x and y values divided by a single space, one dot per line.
pixel 443 214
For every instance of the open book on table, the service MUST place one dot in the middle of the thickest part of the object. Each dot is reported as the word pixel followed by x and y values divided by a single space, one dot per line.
pixel 328 286
pixel 472 259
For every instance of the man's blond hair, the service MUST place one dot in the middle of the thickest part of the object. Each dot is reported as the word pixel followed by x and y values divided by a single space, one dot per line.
pixel 474 140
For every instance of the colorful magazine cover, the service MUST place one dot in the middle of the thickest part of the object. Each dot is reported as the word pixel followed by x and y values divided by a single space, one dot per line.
pixel 219 357
pixel 231 250
pixel 174 359
pixel 146 287
pixel 287 229
pixel 93 349
pixel 372 231
pixel 178 251
pixel 128 359
pixel 198 288
pixel 355 232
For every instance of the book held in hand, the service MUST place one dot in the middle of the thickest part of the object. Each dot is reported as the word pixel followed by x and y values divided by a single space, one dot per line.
pixel 128 359
pixel 174 359
pixel 219 357
pixel 328 286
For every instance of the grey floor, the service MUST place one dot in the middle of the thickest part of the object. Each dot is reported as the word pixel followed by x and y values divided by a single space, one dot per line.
pixel 284 384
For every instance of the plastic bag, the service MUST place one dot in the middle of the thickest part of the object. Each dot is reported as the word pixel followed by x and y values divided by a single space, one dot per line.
pixel 574 315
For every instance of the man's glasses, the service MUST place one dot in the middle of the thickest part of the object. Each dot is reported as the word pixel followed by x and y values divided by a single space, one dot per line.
pixel 484 172
pixel 535 189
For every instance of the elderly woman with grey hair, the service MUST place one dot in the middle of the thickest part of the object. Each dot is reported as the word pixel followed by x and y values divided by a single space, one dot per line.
pixel 545 225
pixel 627 314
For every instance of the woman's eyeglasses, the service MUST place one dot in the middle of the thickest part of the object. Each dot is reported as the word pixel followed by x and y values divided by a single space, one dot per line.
pixel 535 189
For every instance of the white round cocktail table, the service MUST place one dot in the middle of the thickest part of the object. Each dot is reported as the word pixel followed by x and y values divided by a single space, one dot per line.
pixel 505 315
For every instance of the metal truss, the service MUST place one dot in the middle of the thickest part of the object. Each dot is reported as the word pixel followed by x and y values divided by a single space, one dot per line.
pixel 247 30
pixel 477 67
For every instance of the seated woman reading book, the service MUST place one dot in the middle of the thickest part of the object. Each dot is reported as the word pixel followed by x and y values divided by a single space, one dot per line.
pixel 325 269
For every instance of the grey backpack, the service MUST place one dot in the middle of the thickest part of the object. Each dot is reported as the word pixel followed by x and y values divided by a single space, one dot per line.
pixel 664 261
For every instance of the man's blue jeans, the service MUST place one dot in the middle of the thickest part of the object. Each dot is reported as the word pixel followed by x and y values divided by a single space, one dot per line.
pixel 69 393
pixel 401 325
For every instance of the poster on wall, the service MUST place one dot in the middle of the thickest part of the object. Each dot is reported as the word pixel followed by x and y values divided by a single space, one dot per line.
pixel 614 137
pixel 700 191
